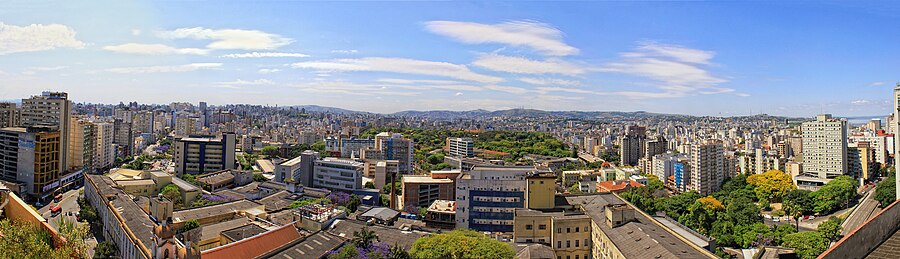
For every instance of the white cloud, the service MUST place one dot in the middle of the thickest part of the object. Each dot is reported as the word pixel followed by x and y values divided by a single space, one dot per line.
pixel 265 55
pixel 53 68
pixel 399 65
pixel 458 94
pixel 36 37
pixel 508 89
pixel 345 51
pixel 268 70
pixel 230 38
pixel 652 49
pixel 742 94
pixel 154 49
pixel 135 32
pixel 678 71
pixel 860 102
pixel 521 65
pixel 349 88
pixel 165 69
pixel 540 37
pixel 238 83
pixel 415 81
pixel 567 90
pixel 877 83
pixel 549 81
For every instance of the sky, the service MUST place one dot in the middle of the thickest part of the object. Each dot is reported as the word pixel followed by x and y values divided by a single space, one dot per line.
pixel 699 58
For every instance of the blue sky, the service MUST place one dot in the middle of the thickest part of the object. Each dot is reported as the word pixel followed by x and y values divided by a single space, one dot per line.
pixel 699 58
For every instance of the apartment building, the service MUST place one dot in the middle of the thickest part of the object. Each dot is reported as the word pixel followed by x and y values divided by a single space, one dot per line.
pixel 461 147
pixel 824 151
pixel 707 167
pixel 54 110
pixel 486 197
pixel 30 156
pixel 338 174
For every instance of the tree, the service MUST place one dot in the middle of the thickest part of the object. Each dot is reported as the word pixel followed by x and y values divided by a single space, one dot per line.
pixel 259 178
pixel 369 185
pixel 435 159
pixel 835 194
pixel 23 239
pixel 354 203
pixel 460 244
pixel 269 151
pixel 831 228
pixel 771 185
pixel 796 203
pixel 397 252
pixel 702 214
pixel 807 244
pixel 105 250
pixel 363 238
pixel 885 192
pixel 172 193
pixel 190 224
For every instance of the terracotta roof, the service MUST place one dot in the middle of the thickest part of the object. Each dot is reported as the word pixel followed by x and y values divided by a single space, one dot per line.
pixel 255 246
pixel 617 186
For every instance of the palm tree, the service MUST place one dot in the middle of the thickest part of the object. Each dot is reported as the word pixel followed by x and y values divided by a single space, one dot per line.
pixel 397 252
pixel 364 237
pixel 794 211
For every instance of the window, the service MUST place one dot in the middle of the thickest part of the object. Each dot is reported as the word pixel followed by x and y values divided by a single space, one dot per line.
pixel 568 243
pixel 576 256
pixel 568 257
pixel 576 229
pixel 558 244
pixel 542 226
pixel 586 243
pixel 558 230
pixel 528 227
pixel 576 243
pixel 568 230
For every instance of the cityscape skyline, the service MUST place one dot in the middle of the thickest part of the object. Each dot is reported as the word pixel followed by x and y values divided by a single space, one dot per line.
pixel 460 56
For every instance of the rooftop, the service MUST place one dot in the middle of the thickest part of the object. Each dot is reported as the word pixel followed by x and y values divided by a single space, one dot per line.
pixel 266 165
pixel 642 238
pixel 381 213
pixel 425 179
pixel 214 210
pixel 389 235
pixel 314 246
pixel 255 246
pixel 135 182
pixel 278 201
pixel 214 230
pixel 243 232
pixel 216 177
pixel 135 219
pixel 185 186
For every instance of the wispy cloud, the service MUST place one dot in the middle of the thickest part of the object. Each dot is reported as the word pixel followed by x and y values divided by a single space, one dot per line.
pixel 540 37
pixel 230 38
pixel 268 70
pixel 164 69
pixel 345 51
pixel 237 84
pixel 265 55
pixel 153 49
pixel 676 70
pixel 36 37
pixel 521 65
pixel 416 81
pixel 349 88
pixel 877 83
pixel 399 65
pixel 549 81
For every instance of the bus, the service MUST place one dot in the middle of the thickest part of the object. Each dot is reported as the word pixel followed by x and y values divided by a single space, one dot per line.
pixel 55 210
pixel 58 197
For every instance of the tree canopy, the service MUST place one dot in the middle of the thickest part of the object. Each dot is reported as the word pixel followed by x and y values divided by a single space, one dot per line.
pixel 807 244
pixel 460 244
pixel 835 194
pixel 885 192
pixel 771 185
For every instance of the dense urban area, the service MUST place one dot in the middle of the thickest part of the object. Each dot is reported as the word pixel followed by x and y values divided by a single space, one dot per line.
pixel 247 181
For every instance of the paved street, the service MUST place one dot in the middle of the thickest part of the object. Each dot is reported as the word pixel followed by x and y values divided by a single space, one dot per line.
pixel 69 204
pixel 867 208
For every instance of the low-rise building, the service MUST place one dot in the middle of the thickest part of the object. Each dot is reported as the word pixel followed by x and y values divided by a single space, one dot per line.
pixel 441 214
pixel 338 174
pixel 423 190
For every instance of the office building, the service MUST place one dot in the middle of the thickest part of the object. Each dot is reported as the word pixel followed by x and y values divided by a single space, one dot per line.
pixel 707 167
pixel 104 151
pixel 299 169
pixel 338 174
pixel 461 147
pixel 423 190
pixel 50 109
pixel 353 147
pixel 30 156
pixel 81 145
pixel 824 150
pixel 381 171
pixel 204 154
pixel 394 146
pixel 486 197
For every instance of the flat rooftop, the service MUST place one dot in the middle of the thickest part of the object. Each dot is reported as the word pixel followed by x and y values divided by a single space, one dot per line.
pixel 183 185
pixel 636 239
pixel 314 246
pixel 214 210
pixel 242 232
pixel 211 231
pixel 137 221
pixel 424 179
pixel 135 182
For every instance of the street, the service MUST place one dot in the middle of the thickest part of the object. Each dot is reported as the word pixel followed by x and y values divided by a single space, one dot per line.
pixel 865 210
pixel 69 205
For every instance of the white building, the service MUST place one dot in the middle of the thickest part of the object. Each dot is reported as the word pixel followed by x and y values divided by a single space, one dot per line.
pixel 461 147
pixel 338 174
pixel 824 147
pixel 707 167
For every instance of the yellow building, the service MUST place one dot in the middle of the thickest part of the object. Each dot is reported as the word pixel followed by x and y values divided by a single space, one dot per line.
pixel 540 191
pixel 567 232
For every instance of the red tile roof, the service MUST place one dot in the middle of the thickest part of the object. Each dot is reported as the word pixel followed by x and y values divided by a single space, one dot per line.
pixel 255 246
pixel 617 186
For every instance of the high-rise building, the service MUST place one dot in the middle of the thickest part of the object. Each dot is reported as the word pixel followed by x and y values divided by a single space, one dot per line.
pixel 104 153
pixel 394 146
pixel 81 145
pixel 204 154
pixel 185 126
pixel 896 125
pixel 461 147
pixel 54 110
pixel 123 138
pixel 707 167
pixel 486 197
pixel 9 115
pixel 298 169
pixel 655 147
pixel 824 149
pixel 30 156
pixel 631 146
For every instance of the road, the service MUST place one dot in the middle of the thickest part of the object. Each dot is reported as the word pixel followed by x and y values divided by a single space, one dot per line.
pixel 69 204
pixel 865 210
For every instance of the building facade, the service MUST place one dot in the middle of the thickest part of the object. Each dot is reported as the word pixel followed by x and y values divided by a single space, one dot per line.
pixel 824 149
pixel 461 147
pixel 707 167
pixel 204 154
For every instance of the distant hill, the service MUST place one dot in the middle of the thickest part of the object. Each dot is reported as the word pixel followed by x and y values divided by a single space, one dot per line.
pixel 533 113
pixel 317 108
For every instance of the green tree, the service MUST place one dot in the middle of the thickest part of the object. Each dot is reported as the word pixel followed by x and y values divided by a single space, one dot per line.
pixel 460 244
pixel 364 238
pixel 831 228
pixel 702 214
pixel 797 203
pixel 347 252
pixel 397 252
pixel 835 194
pixel 435 158
pixel 190 224
pixel 369 185
pixel 885 192
pixel 259 178
pixel 26 240
pixel 171 192
pixel 269 151
pixel 105 250
pixel 807 244
pixel 353 203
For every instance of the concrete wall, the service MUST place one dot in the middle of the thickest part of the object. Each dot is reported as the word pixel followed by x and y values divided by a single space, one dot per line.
pixel 867 237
